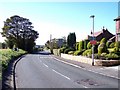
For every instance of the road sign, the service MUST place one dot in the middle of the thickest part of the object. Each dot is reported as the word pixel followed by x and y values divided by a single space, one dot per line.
pixel 94 42
pixel 91 38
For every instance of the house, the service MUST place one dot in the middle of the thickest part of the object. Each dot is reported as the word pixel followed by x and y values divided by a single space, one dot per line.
pixel 117 28
pixel 58 42
pixel 104 33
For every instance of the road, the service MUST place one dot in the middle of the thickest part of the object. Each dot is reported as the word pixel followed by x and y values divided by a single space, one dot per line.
pixel 42 70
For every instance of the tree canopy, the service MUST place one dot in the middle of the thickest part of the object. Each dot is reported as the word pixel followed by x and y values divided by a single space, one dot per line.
pixel 71 40
pixel 19 31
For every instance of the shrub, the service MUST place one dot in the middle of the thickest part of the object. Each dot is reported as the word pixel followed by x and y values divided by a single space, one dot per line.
pixel 89 46
pixel 62 49
pixel 67 50
pixel 8 55
pixel 112 56
pixel 117 44
pixel 81 45
pixel 112 45
pixel 87 53
pixel 79 52
pixel 103 40
pixel 77 45
pixel 85 44
pixel 108 44
pixel 71 52
pixel 102 48
pixel 116 49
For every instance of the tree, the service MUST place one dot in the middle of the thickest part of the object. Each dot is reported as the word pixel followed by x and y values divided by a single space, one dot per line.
pixel 71 40
pixel 20 31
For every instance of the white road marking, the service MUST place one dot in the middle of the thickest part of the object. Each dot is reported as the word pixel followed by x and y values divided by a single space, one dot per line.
pixel 61 74
pixel 45 65
pixel 85 69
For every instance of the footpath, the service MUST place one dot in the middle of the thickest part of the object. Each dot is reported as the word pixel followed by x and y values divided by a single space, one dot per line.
pixel 111 71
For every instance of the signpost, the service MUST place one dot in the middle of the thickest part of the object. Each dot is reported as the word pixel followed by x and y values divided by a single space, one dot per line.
pixel 93 42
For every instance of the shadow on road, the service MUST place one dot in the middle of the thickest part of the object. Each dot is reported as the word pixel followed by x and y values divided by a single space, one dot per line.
pixel 42 53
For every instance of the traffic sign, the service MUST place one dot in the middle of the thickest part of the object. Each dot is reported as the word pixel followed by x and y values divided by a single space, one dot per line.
pixel 94 42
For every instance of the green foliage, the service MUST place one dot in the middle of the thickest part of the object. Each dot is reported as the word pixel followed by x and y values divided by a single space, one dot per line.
pixel 116 49
pixel 63 49
pixel 112 56
pixel 81 46
pixel 85 44
pixel 71 40
pixel 87 53
pixel 89 46
pixel 102 48
pixel 71 52
pixel 112 45
pixel 19 31
pixel 77 45
pixel 67 50
pixel 79 52
pixel 108 44
pixel 117 44
pixel 8 54
pixel 103 40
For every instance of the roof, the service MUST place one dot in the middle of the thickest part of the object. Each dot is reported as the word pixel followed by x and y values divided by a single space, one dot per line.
pixel 118 18
pixel 112 38
pixel 98 33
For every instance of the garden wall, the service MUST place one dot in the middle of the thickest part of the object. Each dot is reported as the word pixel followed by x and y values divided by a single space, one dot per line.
pixel 86 60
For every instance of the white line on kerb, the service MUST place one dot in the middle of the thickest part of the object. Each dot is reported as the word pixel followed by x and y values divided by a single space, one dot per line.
pixel 61 74
pixel 85 69
pixel 45 65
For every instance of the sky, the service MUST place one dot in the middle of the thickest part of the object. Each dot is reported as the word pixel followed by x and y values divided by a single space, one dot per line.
pixel 61 18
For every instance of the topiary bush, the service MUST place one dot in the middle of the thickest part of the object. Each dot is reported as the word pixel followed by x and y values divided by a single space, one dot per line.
pixel 85 44
pixel 102 48
pixel 67 50
pixel 108 44
pixel 62 49
pixel 71 52
pixel 87 53
pixel 79 52
pixel 112 56
pixel 89 46
pixel 103 40
pixel 117 44
pixel 112 45
pixel 81 46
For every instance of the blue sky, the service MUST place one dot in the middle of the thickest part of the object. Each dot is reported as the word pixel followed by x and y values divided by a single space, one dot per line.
pixel 61 18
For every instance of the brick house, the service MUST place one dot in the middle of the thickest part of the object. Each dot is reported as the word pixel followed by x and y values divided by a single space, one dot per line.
pixel 104 33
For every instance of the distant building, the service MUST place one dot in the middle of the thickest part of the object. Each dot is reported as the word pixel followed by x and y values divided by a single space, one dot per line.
pixel 117 28
pixel 104 33
pixel 59 42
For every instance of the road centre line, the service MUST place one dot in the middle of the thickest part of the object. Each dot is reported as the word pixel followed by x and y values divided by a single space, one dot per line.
pixel 61 74
pixel 45 65
pixel 85 69
pixel 65 76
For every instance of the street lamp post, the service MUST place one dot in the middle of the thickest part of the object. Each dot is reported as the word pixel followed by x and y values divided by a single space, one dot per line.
pixel 92 16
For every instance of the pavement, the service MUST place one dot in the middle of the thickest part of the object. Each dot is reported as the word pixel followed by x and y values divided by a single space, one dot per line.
pixel 111 71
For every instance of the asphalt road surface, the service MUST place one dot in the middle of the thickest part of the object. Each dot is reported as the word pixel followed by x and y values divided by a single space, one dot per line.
pixel 43 70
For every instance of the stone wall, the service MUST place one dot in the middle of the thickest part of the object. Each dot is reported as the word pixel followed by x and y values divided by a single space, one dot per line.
pixel 86 60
